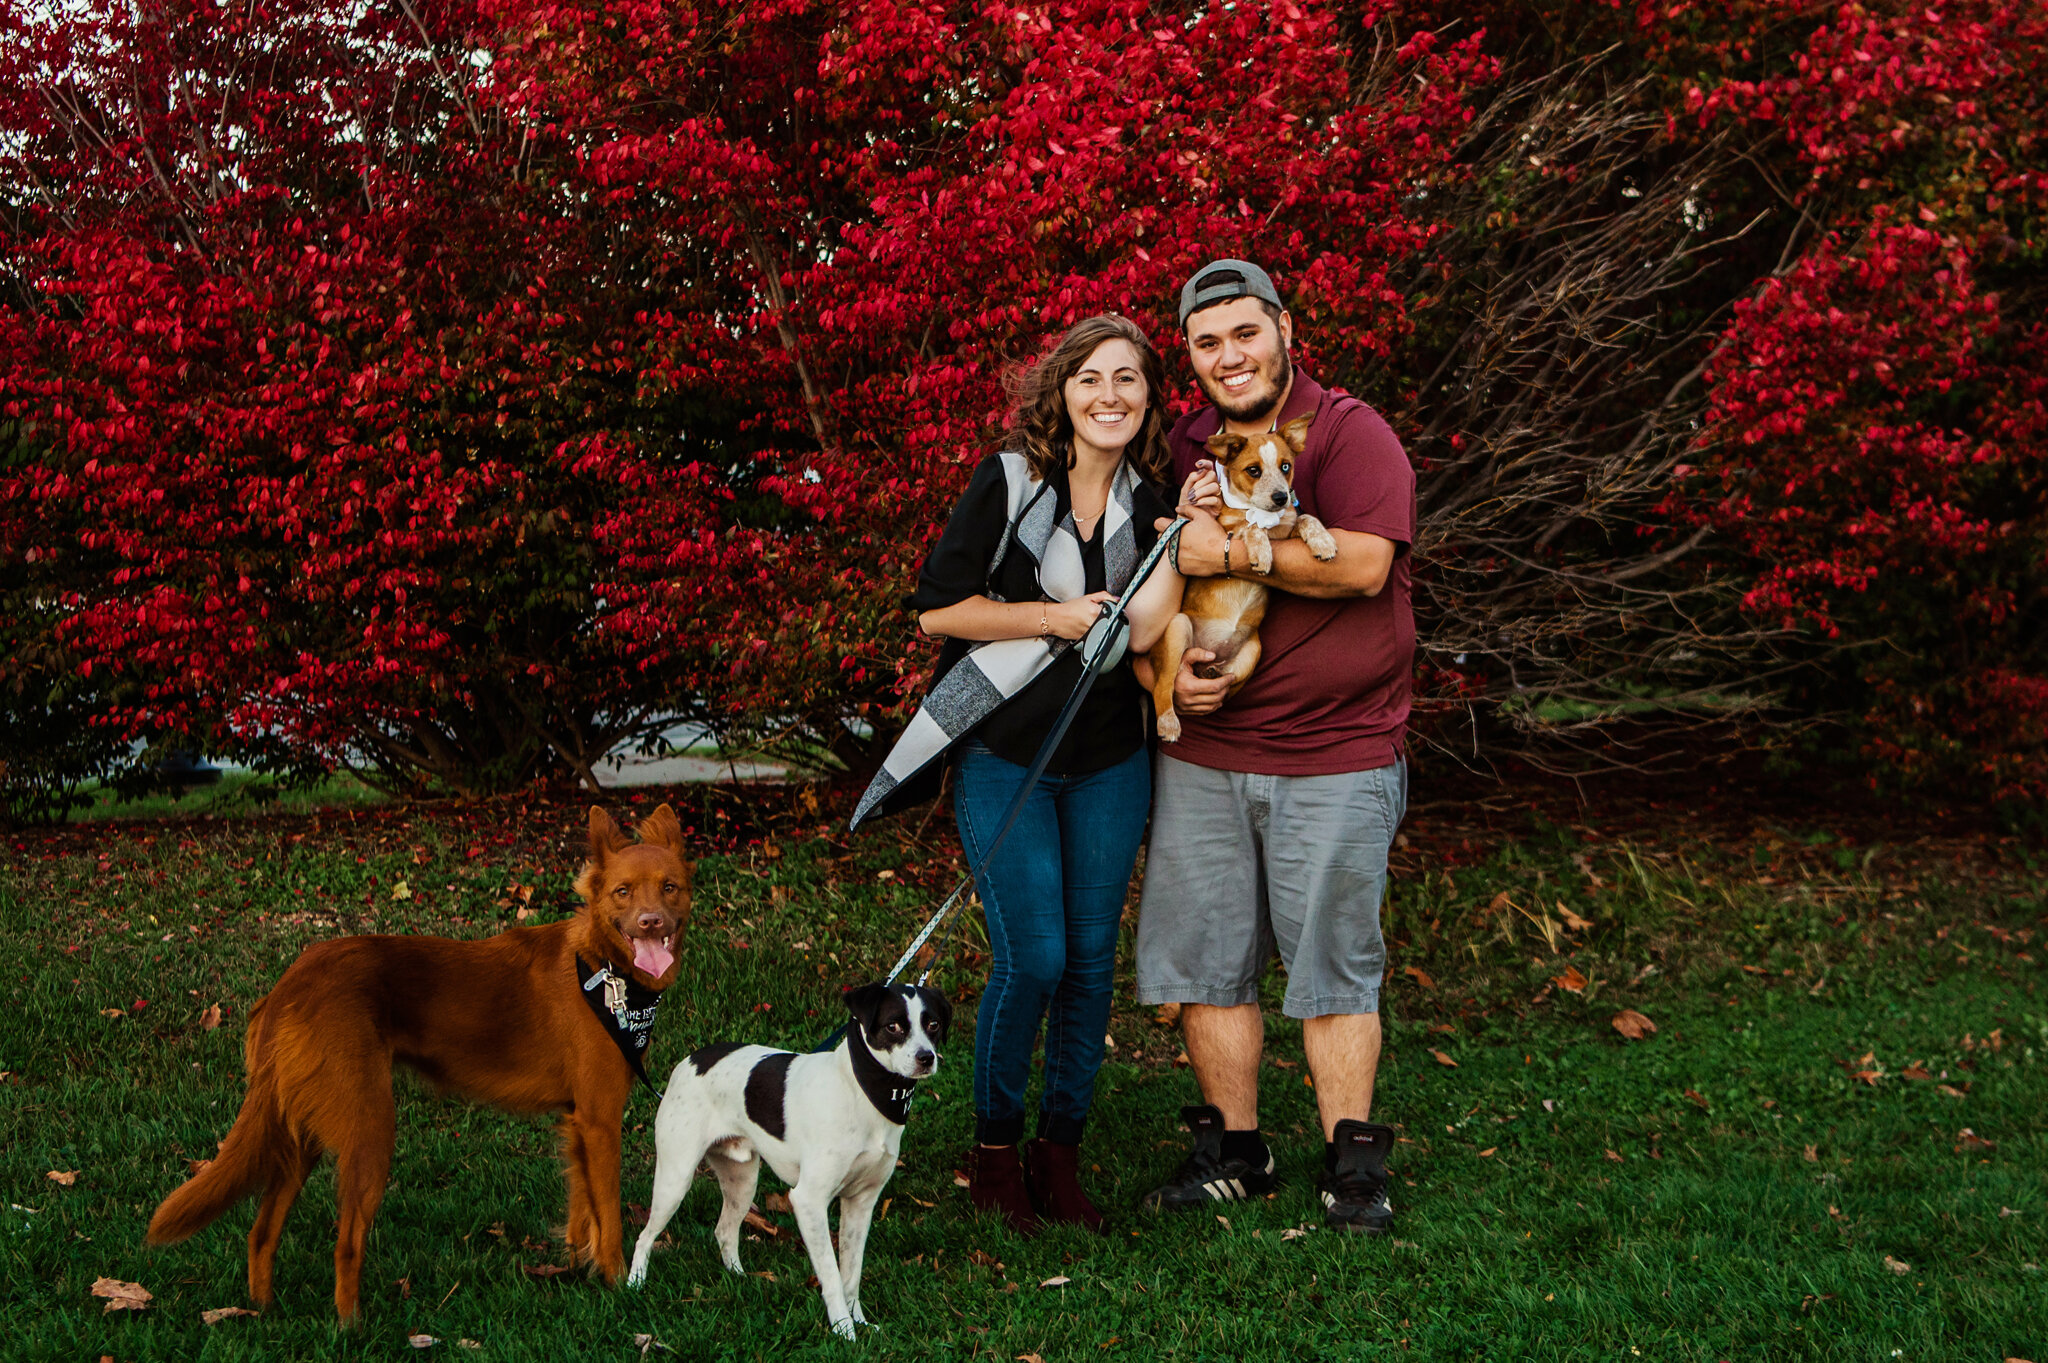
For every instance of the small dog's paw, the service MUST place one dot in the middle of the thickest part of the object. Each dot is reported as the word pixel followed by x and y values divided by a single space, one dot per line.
pixel 733 1265
pixel 1318 539
pixel 637 1277
pixel 1169 727
pixel 1262 558
pixel 843 1327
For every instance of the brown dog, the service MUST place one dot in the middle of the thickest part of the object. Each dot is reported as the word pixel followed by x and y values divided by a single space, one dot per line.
pixel 502 1020
pixel 1223 614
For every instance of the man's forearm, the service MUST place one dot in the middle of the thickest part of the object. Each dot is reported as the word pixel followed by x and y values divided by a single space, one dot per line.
pixel 1360 569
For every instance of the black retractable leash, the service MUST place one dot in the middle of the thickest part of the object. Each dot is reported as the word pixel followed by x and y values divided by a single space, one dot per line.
pixel 1102 649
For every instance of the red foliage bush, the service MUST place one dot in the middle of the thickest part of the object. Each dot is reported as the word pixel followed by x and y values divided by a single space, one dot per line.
pixel 1877 437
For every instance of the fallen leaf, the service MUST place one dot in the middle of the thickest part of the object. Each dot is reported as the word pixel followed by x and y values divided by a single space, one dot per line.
pixel 1058 1280
pixel 1419 975
pixel 210 1019
pixel 779 1202
pixel 1550 1104
pixel 984 1258
pixel 62 1177
pixel 1029 1358
pixel 1284 1064
pixel 1572 981
pixel 1181 1062
pixel 1443 1059
pixel 469 1344
pixel 2008 1211
pixel 960 1180
pixel 1813 1154
pixel 1869 1077
pixel 221 1313
pixel 1897 1265
pixel 1293 1233
pixel 1970 1140
pixel 122 1296
pixel 1224 1221
pixel 1572 920
pixel 1692 1095
pixel 1612 1155
pixel 1488 1151
pixel 1500 901
pixel 112 1013
pixel 1915 1072
pixel 404 891
pixel 761 1223
pixel 1951 1090
pixel 1443 1028
pixel 421 1341
pixel 1632 1024
pixel 544 1270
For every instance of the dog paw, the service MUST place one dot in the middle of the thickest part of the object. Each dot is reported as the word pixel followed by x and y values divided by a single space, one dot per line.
pixel 637 1277
pixel 1169 727
pixel 733 1266
pixel 843 1327
pixel 1319 541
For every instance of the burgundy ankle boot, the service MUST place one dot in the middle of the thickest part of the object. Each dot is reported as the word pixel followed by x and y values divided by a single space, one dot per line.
pixel 995 1183
pixel 1056 1185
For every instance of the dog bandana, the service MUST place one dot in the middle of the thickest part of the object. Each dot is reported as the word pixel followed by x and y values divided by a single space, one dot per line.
pixel 889 1092
pixel 993 672
pixel 625 1007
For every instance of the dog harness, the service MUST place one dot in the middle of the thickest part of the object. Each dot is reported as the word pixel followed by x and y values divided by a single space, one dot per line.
pixel 625 1008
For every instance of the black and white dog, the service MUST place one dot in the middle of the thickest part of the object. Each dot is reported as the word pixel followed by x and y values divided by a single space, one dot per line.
pixel 829 1124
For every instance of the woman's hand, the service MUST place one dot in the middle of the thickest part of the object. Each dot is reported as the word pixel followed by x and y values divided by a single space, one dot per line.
pixel 1073 619
pixel 1202 488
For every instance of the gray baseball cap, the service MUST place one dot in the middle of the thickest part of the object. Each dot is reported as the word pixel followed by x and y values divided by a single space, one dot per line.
pixel 1222 280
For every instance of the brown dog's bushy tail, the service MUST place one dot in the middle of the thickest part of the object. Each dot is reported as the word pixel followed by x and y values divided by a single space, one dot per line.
pixel 244 1164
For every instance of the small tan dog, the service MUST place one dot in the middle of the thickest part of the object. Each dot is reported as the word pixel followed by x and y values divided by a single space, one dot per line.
pixel 1223 614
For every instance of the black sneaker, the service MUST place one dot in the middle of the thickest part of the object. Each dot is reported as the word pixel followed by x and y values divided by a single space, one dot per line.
pixel 1354 1193
pixel 1205 1176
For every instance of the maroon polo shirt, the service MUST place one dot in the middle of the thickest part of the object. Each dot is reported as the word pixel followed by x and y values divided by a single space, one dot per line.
pixel 1331 690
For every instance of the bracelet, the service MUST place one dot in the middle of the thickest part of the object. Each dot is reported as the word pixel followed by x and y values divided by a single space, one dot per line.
pixel 1226 553
pixel 1044 626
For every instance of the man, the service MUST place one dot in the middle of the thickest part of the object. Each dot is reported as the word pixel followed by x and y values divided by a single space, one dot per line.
pixel 1273 814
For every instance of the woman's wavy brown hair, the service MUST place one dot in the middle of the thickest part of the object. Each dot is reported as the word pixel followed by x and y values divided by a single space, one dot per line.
pixel 1040 428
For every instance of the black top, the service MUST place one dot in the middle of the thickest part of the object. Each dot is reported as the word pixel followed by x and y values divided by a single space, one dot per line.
pixel 1115 720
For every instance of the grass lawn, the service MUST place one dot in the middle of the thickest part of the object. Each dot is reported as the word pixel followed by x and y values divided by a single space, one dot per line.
pixel 1831 1147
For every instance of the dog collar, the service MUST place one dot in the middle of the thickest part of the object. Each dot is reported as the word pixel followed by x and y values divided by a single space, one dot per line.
pixel 889 1092
pixel 625 1008
pixel 1265 520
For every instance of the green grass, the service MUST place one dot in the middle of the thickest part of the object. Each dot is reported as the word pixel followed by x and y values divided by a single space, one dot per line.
pixel 238 794
pixel 1727 1188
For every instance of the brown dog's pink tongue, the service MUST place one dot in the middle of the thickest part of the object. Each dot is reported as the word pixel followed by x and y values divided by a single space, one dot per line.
pixel 652 958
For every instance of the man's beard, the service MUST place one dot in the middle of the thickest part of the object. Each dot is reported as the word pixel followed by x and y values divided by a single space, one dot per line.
pixel 1256 408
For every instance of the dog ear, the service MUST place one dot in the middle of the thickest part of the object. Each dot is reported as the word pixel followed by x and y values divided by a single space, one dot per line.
pixel 864 1001
pixel 605 840
pixel 936 1005
pixel 1295 432
pixel 663 829
pixel 605 837
pixel 1224 444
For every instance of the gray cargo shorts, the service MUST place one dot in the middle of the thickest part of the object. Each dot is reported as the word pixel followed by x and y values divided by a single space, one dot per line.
pixel 1242 863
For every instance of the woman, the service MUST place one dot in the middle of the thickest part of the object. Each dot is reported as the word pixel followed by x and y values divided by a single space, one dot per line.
pixel 1047 532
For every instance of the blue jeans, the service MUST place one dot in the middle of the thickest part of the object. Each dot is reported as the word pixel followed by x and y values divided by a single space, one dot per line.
pixel 1053 896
